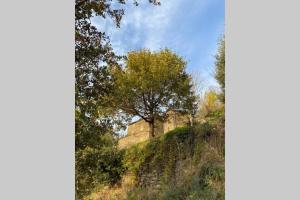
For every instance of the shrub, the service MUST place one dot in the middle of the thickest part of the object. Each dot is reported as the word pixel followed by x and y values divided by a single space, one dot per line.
pixel 133 157
pixel 97 165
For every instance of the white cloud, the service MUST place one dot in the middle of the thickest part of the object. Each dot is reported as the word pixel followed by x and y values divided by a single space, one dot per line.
pixel 144 26
pixel 155 27
pixel 148 26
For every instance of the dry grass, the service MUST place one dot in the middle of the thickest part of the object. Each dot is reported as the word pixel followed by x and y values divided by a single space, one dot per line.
pixel 114 192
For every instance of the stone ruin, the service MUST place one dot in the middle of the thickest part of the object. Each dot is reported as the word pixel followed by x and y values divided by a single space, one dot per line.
pixel 139 131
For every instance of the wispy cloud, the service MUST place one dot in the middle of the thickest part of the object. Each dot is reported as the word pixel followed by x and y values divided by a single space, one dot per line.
pixel 190 28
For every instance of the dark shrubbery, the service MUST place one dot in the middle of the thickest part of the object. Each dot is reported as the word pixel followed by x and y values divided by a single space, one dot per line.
pixel 97 165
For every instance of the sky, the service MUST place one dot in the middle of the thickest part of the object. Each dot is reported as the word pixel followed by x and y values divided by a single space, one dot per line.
pixel 191 28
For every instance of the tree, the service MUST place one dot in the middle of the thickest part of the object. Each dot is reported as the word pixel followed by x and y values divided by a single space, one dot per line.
pixel 94 123
pixel 152 83
pixel 209 103
pixel 93 53
pixel 220 67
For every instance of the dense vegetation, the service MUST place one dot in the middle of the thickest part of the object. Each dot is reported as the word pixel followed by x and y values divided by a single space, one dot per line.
pixel 186 163
pixel 96 155
pixel 180 165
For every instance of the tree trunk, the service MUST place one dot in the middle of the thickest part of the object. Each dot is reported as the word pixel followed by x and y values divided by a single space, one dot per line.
pixel 151 131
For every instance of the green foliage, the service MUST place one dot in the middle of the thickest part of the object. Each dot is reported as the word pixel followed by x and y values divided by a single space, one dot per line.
pixel 185 163
pixel 147 88
pixel 208 103
pixel 159 153
pixel 134 157
pixel 211 172
pixel 163 161
pixel 152 83
pixel 97 159
pixel 99 164
pixel 207 184
pixel 180 134
pixel 211 114
pixel 220 67
pixel 93 55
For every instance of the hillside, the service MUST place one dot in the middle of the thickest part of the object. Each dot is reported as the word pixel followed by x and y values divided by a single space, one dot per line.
pixel 186 163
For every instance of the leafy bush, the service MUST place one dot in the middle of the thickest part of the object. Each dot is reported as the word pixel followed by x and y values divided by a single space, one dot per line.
pixel 133 157
pixel 97 165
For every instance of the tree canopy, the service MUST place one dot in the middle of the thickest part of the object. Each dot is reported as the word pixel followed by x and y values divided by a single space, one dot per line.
pixel 97 159
pixel 151 83
pixel 93 55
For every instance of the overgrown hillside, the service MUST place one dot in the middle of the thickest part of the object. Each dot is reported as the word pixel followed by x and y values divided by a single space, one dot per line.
pixel 186 163
pixel 112 89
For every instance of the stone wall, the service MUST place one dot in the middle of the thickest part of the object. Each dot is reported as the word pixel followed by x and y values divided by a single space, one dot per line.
pixel 175 120
pixel 138 127
pixel 132 139
pixel 142 126
pixel 139 131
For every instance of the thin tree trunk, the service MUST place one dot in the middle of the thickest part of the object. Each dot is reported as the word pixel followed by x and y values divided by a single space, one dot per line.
pixel 151 131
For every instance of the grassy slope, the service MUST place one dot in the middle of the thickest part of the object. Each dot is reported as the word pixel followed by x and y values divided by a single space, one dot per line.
pixel 182 164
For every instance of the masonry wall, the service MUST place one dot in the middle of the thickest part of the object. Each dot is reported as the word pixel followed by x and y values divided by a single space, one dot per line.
pixel 138 127
pixel 139 131
pixel 132 139
pixel 175 120
pixel 142 126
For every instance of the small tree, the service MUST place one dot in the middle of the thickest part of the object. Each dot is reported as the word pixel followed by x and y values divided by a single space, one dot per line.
pixel 220 67
pixel 209 103
pixel 152 83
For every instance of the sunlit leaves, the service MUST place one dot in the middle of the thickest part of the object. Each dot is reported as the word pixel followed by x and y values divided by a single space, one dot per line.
pixel 152 83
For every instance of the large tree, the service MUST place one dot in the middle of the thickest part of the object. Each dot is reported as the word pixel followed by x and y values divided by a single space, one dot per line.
pixel 93 53
pixel 94 123
pixel 151 83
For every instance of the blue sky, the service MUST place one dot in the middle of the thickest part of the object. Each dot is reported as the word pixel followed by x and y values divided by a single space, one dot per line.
pixel 190 28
